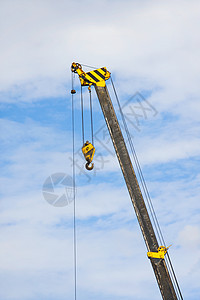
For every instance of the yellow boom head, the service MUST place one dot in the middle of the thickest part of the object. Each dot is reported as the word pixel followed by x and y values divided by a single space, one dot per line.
pixel 95 77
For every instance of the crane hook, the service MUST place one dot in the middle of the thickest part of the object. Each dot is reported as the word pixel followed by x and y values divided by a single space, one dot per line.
pixel 88 167
pixel 88 152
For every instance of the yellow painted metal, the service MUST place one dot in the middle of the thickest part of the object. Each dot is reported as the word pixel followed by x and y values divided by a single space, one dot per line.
pixel 95 77
pixel 88 151
pixel 160 254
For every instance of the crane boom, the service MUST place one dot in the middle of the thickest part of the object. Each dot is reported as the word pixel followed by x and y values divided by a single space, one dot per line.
pixel 159 266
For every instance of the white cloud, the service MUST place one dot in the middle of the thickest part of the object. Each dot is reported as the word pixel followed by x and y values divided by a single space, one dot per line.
pixel 155 42
pixel 189 237
pixel 148 46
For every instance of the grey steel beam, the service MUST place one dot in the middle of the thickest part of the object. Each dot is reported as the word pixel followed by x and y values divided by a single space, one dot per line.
pixel 159 266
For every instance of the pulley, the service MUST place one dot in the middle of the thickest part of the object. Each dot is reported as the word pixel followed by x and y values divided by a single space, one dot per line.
pixel 88 152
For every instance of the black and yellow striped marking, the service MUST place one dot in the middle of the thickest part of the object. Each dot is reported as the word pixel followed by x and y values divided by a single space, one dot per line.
pixel 96 75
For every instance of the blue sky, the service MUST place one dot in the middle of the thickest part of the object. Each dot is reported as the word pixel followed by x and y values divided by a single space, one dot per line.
pixel 152 49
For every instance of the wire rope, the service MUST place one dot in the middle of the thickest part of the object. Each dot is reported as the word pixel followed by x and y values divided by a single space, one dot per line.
pixel 82 114
pixel 134 155
pixel 91 118
pixel 74 197
pixel 147 195
pixel 175 278
pixel 89 66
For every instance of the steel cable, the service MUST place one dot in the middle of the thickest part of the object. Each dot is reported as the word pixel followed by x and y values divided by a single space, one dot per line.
pixel 91 117
pixel 147 195
pixel 82 114
pixel 74 197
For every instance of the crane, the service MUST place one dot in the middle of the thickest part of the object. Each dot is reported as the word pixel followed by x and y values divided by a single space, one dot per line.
pixel 156 253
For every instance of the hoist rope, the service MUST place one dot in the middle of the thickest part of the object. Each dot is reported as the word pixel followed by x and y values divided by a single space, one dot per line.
pixel 88 66
pixel 147 196
pixel 82 114
pixel 91 118
pixel 134 155
pixel 74 196
pixel 174 275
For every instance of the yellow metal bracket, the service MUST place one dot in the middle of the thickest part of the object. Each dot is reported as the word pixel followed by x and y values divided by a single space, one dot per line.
pixel 159 254
pixel 95 77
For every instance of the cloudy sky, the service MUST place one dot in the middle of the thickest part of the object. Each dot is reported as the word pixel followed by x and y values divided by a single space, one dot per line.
pixel 152 50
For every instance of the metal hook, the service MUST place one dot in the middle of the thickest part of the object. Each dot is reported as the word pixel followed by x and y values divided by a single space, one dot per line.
pixel 88 167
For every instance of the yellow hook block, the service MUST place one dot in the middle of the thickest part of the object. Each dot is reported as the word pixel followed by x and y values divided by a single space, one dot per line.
pixel 88 152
